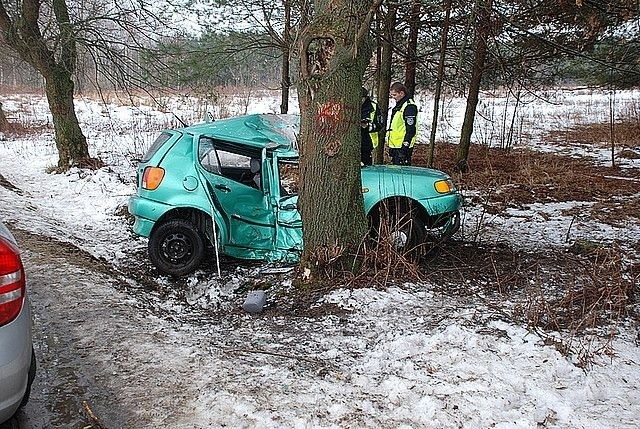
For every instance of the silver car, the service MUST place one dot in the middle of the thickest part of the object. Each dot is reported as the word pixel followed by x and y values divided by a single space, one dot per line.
pixel 17 360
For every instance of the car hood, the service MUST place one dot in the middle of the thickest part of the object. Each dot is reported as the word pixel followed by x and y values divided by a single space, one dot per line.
pixel 375 172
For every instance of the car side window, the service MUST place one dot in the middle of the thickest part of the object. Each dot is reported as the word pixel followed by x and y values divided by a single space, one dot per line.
pixel 238 167
pixel 230 160
pixel 207 155
pixel 157 144
pixel 219 158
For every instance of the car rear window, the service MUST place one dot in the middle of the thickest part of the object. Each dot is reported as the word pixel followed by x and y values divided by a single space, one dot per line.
pixel 157 144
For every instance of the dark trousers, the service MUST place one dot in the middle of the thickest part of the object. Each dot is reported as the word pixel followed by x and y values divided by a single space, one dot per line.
pixel 365 156
pixel 401 155
pixel 366 147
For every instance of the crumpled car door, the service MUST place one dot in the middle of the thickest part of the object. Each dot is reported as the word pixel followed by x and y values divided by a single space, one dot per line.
pixel 248 217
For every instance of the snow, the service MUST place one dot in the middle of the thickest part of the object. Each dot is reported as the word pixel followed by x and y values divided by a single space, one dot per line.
pixel 407 356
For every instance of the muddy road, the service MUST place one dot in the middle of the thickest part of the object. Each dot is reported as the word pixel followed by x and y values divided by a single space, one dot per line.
pixel 118 348
pixel 103 361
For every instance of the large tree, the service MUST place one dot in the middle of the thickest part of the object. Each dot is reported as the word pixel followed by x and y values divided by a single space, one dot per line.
pixel 334 52
pixel 109 39
pixel 21 31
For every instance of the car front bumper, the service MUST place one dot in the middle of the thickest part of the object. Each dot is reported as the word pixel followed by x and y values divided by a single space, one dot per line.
pixel 15 360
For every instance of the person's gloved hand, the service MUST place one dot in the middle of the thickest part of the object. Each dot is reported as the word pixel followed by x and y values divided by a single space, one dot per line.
pixel 405 144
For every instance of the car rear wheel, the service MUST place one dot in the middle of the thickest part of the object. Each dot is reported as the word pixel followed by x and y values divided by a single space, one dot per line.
pixel 176 247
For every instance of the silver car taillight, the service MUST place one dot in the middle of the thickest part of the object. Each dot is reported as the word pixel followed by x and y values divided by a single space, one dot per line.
pixel 12 282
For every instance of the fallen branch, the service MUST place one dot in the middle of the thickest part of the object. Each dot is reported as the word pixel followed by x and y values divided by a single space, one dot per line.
pixel 95 423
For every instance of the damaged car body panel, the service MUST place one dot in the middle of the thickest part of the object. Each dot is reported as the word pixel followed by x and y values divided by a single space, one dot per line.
pixel 233 184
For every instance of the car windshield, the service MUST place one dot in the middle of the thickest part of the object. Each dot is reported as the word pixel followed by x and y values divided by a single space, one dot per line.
pixel 286 126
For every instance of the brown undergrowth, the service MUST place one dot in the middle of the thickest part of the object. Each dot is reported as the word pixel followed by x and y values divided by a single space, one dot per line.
pixel 626 133
pixel 520 177
pixel 569 296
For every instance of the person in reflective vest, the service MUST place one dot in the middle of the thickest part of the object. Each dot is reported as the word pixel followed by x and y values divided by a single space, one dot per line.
pixel 403 128
pixel 370 124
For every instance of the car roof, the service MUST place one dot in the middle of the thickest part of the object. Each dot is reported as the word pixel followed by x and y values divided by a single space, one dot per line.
pixel 276 132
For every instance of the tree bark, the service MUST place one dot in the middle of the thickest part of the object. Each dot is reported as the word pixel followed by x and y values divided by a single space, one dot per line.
pixel 385 79
pixel 483 30
pixel 439 79
pixel 334 53
pixel 4 123
pixel 286 57
pixel 411 63
pixel 26 39
pixel 70 141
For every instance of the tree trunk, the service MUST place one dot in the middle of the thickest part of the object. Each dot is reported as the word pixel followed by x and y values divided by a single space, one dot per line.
pixel 70 141
pixel 411 63
pixel 4 123
pixel 439 79
pixel 334 53
pixel 482 34
pixel 25 38
pixel 286 57
pixel 385 79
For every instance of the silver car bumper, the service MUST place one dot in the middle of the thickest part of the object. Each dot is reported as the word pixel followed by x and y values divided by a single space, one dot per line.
pixel 15 359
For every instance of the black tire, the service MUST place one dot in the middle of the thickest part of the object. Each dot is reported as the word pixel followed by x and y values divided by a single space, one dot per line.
pixel 408 234
pixel 30 378
pixel 176 247
pixel 398 225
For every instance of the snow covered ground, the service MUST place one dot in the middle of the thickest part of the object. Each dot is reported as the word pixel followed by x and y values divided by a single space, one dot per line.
pixel 406 357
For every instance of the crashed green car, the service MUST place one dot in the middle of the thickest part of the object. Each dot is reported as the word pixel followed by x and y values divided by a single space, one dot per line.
pixel 240 174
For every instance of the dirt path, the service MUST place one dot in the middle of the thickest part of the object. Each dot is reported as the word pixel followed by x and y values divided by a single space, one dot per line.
pixel 87 363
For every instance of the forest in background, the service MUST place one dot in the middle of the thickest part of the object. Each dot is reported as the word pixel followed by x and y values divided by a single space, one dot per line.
pixel 327 50
pixel 197 47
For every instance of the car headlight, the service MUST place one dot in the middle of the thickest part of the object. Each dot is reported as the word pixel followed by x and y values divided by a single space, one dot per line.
pixel 444 186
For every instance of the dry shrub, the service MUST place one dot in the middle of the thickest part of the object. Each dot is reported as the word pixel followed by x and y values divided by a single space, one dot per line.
pixel 382 262
pixel 572 299
pixel 90 163
pixel 601 293
pixel 20 128
pixel 376 262
pixel 625 133
pixel 628 154
pixel 618 212
pixel 519 177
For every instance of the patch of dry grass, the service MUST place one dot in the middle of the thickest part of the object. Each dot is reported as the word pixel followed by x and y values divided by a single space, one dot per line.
pixel 570 297
pixel 625 133
pixel 520 177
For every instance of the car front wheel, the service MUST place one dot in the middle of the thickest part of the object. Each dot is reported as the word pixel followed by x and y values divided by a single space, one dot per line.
pixel 399 227
pixel 176 247
pixel 407 234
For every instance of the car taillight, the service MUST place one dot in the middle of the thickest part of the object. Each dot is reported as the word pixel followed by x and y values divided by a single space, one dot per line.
pixel 152 177
pixel 12 282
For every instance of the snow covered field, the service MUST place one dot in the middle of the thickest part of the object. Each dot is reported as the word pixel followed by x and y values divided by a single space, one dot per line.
pixel 407 357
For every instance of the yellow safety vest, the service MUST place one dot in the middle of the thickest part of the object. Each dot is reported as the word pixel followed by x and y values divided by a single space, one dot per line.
pixel 372 116
pixel 398 128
